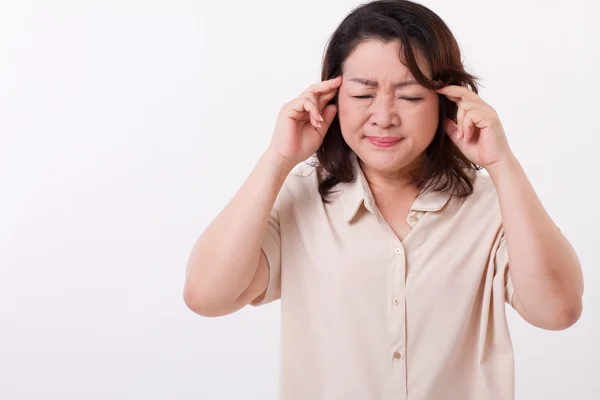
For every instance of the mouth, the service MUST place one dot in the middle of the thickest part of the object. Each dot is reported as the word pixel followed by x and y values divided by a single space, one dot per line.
pixel 383 141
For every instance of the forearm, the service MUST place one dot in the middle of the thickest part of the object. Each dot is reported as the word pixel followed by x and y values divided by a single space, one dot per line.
pixel 544 268
pixel 225 257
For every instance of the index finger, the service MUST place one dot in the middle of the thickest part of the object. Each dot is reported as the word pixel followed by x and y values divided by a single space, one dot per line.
pixel 325 86
pixel 457 93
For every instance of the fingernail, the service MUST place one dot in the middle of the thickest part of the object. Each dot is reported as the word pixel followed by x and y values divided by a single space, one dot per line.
pixel 319 125
pixel 321 117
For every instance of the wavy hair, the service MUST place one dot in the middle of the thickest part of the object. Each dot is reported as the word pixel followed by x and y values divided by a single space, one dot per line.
pixel 417 28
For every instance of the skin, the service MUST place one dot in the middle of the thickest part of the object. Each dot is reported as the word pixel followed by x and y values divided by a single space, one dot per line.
pixel 545 270
pixel 388 111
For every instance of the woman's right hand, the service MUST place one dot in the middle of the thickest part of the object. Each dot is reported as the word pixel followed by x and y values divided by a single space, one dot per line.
pixel 300 130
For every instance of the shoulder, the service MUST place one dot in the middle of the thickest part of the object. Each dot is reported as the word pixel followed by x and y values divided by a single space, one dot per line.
pixel 483 187
pixel 301 186
pixel 483 203
pixel 303 177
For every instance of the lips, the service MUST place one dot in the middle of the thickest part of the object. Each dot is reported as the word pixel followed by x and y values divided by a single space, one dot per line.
pixel 383 141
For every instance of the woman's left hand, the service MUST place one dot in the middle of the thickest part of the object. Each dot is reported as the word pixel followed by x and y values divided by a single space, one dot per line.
pixel 478 132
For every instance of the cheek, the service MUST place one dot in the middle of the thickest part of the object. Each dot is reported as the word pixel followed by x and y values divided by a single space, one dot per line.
pixel 349 115
pixel 426 115
pixel 342 106
pixel 347 106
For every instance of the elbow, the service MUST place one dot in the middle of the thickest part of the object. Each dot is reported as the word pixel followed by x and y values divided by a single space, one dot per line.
pixel 571 314
pixel 565 317
pixel 201 303
pixel 193 300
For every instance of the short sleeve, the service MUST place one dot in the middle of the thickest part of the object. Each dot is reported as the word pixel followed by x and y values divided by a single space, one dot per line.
pixel 271 246
pixel 503 267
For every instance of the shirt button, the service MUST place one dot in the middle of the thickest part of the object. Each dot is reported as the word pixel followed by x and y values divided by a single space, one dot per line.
pixel 396 301
pixel 414 218
pixel 398 250
pixel 397 355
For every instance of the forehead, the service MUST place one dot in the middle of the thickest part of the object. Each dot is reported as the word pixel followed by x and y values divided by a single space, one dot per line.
pixel 374 58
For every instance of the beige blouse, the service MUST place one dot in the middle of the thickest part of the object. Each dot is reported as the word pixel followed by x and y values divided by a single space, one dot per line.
pixel 365 316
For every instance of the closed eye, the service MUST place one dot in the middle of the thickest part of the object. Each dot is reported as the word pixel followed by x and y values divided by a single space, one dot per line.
pixel 402 98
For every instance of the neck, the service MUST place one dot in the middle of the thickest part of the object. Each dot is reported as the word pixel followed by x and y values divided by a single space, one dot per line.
pixel 401 182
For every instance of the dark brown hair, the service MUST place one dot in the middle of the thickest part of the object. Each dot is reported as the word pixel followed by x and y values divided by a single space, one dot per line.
pixel 416 27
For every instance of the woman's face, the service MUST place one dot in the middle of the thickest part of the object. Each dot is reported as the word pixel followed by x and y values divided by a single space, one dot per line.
pixel 386 120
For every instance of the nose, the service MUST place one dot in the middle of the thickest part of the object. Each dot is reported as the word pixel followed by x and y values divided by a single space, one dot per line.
pixel 385 113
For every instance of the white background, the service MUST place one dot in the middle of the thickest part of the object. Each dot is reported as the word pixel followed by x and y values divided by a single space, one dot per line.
pixel 126 126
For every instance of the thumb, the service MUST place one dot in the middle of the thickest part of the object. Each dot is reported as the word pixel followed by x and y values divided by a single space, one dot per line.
pixel 451 130
pixel 328 115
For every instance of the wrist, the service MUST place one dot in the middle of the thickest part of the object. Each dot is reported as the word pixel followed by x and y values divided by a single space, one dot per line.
pixel 276 163
pixel 507 167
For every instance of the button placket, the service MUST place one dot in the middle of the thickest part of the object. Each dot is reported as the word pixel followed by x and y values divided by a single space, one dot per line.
pixel 398 251
pixel 397 310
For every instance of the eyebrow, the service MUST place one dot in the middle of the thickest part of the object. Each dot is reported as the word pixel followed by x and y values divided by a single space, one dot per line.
pixel 368 82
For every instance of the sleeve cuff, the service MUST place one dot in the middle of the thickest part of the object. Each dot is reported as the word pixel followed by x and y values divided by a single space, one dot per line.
pixel 273 254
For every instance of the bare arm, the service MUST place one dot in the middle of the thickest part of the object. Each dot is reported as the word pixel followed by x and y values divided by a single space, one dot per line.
pixel 223 273
pixel 544 268
pixel 227 268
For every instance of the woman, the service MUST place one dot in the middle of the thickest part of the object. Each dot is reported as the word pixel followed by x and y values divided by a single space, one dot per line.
pixel 393 256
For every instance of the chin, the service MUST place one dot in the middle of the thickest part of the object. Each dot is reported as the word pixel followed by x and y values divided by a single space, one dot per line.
pixel 385 161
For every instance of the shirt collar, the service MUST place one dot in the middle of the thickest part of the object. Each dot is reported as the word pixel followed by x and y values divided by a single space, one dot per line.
pixel 358 192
